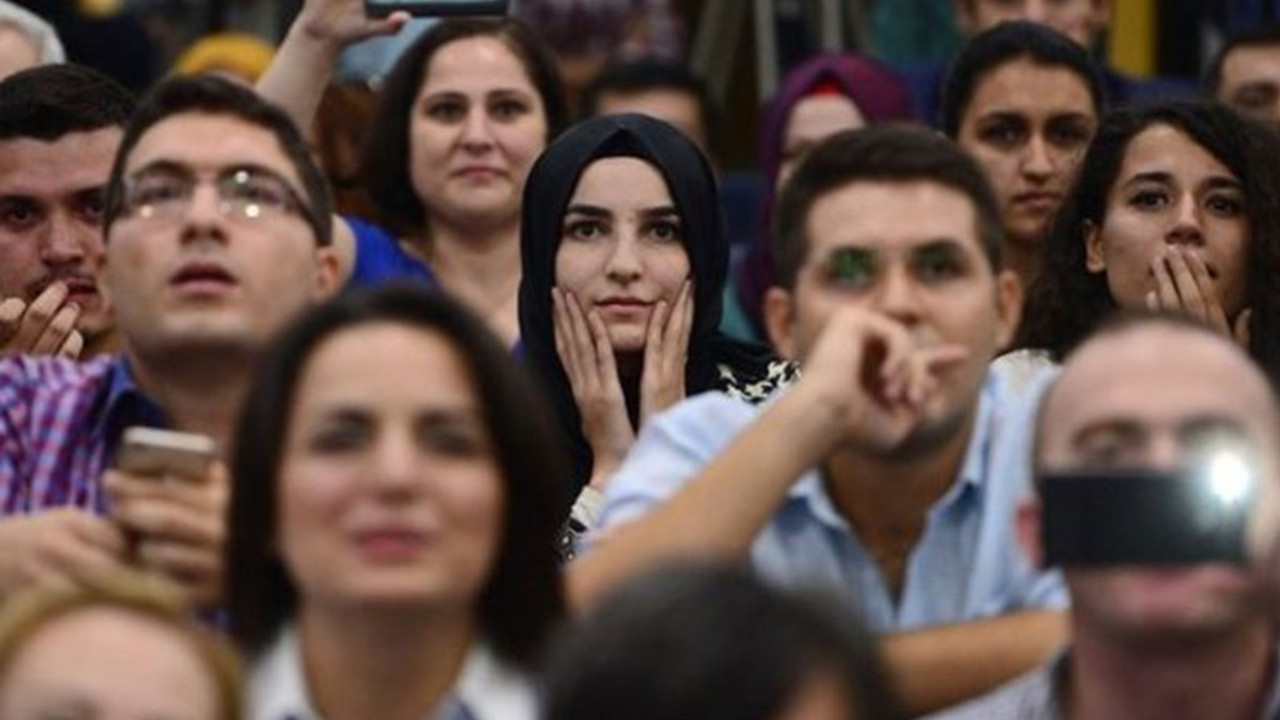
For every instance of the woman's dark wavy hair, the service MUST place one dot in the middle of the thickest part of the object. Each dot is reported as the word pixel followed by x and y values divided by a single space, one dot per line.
pixel 523 598
pixel 386 156
pixel 711 642
pixel 1067 301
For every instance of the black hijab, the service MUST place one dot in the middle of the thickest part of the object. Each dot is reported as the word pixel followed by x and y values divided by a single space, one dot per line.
pixel 692 184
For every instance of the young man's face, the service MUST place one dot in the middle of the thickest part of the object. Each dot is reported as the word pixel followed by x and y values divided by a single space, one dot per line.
pixel 1080 20
pixel 1250 82
pixel 908 251
pixel 187 266
pixel 51 202
pixel 1147 398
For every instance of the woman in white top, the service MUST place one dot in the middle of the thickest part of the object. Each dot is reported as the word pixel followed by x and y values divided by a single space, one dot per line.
pixel 393 524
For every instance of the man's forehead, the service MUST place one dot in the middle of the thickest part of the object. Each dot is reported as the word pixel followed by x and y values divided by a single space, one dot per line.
pixel 1158 375
pixel 70 163
pixel 1251 60
pixel 205 141
pixel 873 213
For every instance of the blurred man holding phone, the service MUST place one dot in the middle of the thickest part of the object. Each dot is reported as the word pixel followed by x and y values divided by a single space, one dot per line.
pixel 217 229
pixel 1173 629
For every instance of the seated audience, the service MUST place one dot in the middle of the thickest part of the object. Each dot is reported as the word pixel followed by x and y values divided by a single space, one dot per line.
pixel 119 649
pixel 1166 638
pixel 462 118
pixel 1245 75
pixel 60 126
pixel 1024 101
pixel 1174 209
pixel 625 257
pixel 393 524
pixel 665 90
pixel 217 228
pixel 1084 21
pixel 697 642
pixel 891 470
pixel 817 99
pixel 26 40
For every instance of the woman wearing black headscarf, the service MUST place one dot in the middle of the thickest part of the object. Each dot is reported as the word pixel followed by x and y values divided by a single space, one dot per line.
pixel 625 257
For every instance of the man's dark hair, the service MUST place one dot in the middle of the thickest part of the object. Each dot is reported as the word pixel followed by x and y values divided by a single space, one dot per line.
pixel 1263 36
pixel 522 599
pixel 694 641
pixel 1006 42
pixel 46 102
pixel 637 76
pixel 211 95
pixel 880 154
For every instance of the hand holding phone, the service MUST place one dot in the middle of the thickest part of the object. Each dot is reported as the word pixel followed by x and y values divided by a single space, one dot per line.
pixel 436 8
pixel 169 495
pixel 154 453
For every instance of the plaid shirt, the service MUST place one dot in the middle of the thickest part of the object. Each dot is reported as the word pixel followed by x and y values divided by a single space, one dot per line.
pixel 60 424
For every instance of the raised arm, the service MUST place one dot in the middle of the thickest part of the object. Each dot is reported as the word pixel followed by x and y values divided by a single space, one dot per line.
pixel 303 66
pixel 726 505
pixel 946 665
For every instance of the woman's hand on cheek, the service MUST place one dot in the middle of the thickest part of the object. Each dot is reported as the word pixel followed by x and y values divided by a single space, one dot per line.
pixel 666 353
pixel 582 342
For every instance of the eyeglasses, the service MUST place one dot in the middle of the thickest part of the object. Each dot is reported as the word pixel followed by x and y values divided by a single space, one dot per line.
pixel 249 193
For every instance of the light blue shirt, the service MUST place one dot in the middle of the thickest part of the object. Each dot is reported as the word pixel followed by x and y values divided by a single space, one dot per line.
pixel 967 564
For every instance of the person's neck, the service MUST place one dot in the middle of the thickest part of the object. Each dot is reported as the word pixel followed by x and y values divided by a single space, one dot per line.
pixel 367 666
pixel 200 391
pixel 1225 678
pixel 1023 258
pixel 480 266
pixel 886 499
pixel 106 342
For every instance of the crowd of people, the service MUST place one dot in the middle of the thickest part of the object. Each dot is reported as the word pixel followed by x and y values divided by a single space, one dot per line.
pixel 511 422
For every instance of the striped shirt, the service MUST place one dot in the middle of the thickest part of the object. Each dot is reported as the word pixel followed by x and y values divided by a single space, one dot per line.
pixel 60 424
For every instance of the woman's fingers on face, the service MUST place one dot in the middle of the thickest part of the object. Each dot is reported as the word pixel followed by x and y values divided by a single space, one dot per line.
pixel 603 350
pixel 1184 280
pixel 1208 289
pixel 1166 292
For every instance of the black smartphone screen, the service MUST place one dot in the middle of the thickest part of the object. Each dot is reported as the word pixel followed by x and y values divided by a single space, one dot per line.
pixel 436 8
pixel 1141 518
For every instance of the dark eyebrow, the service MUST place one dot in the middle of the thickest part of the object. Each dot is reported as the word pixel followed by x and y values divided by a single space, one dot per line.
pixel 588 210
pixel 1003 116
pixel 1155 176
pixel 937 244
pixel 169 167
pixel 664 211
pixel 1222 181
pixel 1129 429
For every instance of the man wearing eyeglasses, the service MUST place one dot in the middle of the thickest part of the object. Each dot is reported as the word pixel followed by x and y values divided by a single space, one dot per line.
pixel 891 472
pixel 217 230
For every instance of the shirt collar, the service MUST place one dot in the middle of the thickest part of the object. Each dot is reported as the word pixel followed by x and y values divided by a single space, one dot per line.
pixel 487 689
pixel 124 404
pixel 973 471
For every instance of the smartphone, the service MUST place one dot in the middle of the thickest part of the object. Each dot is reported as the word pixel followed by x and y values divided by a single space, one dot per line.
pixel 436 8
pixel 1139 517
pixel 151 452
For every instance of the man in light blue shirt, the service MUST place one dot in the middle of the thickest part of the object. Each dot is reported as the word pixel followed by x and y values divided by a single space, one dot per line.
pixel 892 469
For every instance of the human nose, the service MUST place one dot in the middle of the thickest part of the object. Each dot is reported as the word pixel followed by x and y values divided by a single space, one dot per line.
pixel 1038 161
pixel 476 133
pixel 1187 228
pixel 204 212
pixel 898 297
pixel 395 463
pixel 65 241
pixel 624 260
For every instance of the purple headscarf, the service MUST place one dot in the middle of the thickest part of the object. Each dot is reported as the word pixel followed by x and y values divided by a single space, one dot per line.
pixel 878 94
